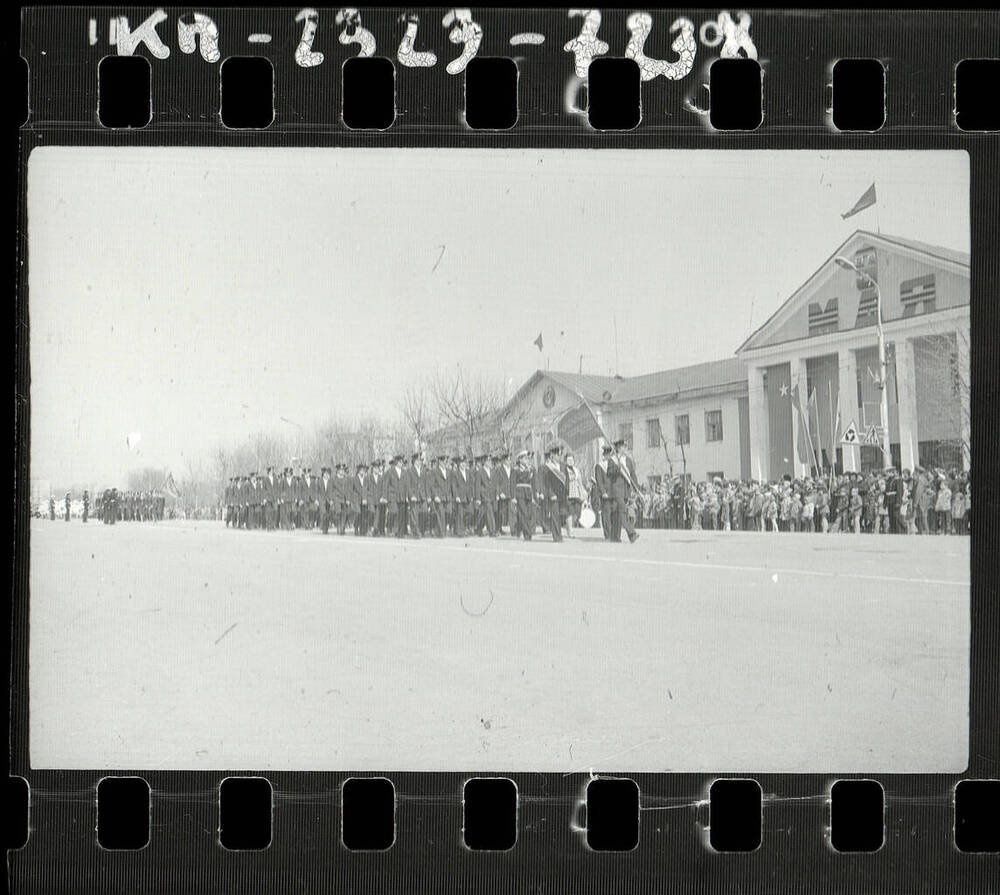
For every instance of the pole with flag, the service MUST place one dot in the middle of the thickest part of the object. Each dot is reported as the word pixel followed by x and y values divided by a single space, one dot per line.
pixel 597 424
pixel 834 427
pixel 812 408
pixel 868 199
pixel 803 427
pixel 663 442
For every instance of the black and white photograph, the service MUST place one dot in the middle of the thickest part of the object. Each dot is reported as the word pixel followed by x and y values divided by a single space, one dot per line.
pixel 554 460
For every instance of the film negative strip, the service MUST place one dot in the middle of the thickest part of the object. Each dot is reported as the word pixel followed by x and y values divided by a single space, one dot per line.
pixel 504 450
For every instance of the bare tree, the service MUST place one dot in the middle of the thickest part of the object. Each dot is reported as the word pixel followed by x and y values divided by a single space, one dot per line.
pixel 415 409
pixel 469 406
pixel 470 403
pixel 148 478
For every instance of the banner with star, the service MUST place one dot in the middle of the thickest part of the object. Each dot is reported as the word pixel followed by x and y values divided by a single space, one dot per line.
pixel 780 422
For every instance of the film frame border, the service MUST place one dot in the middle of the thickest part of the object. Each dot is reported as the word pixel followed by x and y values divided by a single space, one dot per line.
pixel 184 854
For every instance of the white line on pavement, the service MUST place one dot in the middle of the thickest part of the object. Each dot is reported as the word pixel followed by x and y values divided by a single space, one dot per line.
pixel 466 547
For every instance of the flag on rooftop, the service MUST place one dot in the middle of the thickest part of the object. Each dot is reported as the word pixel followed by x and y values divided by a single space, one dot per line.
pixel 866 201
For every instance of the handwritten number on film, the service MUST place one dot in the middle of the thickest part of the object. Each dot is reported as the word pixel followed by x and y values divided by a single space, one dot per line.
pixel 197 31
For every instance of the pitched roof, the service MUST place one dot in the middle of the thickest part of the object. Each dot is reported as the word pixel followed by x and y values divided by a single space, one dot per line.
pixel 728 371
pixel 932 251
pixel 926 248
pixel 664 383
pixel 592 388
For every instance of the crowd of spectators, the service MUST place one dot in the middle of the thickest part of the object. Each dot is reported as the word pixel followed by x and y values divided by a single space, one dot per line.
pixel 924 501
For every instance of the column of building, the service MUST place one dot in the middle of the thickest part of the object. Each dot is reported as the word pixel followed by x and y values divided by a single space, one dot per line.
pixel 849 411
pixel 906 393
pixel 759 456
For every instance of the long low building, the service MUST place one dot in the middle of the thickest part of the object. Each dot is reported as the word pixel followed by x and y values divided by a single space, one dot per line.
pixel 691 420
pixel 810 373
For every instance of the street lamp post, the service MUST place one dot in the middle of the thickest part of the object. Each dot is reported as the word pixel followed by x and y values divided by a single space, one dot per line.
pixel 883 378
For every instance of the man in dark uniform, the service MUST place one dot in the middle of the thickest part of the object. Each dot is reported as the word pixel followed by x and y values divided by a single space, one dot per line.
pixel 115 505
pixel 501 468
pixel 438 489
pixel 892 489
pixel 237 501
pixel 601 500
pixel 315 498
pixel 393 493
pixel 522 479
pixel 377 476
pixel 461 495
pixel 307 498
pixel 555 491
pixel 359 497
pixel 285 493
pixel 447 473
pixel 416 489
pixel 255 499
pixel 86 504
pixel 621 484
pixel 485 497
pixel 66 514
pixel 327 499
pixel 540 513
pixel 299 499
pixel 244 491
pixel 269 507
pixel 343 494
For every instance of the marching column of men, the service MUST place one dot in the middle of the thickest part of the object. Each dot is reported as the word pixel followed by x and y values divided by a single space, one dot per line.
pixel 112 505
pixel 404 497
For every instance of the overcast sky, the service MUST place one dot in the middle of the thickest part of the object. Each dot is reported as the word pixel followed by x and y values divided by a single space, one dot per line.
pixel 195 295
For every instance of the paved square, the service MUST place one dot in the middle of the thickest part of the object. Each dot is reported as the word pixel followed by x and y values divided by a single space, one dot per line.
pixel 186 645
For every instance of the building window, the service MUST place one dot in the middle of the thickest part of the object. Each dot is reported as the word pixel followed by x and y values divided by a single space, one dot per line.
pixel 683 429
pixel 823 319
pixel 713 425
pixel 712 476
pixel 918 296
pixel 625 433
pixel 652 433
pixel 867 307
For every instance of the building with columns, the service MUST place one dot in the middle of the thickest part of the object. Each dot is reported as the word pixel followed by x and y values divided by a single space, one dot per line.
pixel 782 404
pixel 813 366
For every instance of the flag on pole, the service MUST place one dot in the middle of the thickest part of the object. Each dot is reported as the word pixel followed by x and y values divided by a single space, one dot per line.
pixel 538 342
pixel 866 201
pixel 834 421
pixel 812 408
pixel 577 426
pixel 170 487
pixel 803 443
pixel 596 422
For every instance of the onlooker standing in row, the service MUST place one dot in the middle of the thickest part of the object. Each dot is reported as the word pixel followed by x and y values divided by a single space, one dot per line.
pixel 942 507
